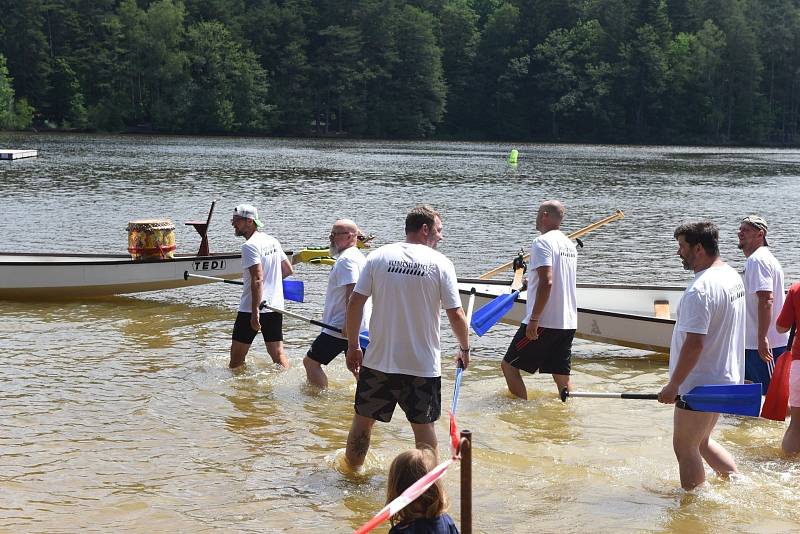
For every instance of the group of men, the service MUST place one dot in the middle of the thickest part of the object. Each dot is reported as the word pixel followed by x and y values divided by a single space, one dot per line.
pixel 725 330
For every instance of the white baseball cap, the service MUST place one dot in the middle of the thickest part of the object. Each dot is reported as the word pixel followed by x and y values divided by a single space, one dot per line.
pixel 248 211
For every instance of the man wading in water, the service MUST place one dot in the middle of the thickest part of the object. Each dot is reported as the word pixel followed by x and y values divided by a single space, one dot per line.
pixel 707 348
pixel 409 283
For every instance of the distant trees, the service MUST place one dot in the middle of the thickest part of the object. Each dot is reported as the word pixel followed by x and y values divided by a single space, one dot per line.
pixel 698 71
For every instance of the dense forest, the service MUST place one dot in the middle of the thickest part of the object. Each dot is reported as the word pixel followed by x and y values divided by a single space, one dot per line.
pixel 647 71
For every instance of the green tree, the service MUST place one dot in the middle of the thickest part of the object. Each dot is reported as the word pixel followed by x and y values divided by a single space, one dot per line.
pixel 7 117
pixel 67 105
pixel 501 43
pixel 13 114
pixel 417 90
pixel 460 37
pixel 643 74
pixel 25 47
pixel 575 79
pixel 228 91
pixel 279 35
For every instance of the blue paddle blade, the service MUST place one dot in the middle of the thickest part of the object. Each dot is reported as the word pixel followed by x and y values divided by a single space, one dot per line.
pixel 489 314
pixel 363 339
pixel 456 387
pixel 737 399
pixel 293 290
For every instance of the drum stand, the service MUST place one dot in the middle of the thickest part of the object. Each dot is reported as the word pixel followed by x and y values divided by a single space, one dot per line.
pixel 202 229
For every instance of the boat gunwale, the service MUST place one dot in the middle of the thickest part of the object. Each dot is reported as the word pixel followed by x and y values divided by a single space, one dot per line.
pixel 107 259
pixel 590 311
pixel 478 281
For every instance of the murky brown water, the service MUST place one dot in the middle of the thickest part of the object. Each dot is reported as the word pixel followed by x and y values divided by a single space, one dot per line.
pixel 120 414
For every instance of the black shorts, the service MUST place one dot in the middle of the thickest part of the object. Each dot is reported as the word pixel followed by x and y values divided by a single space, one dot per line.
pixel 378 393
pixel 325 348
pixel 271 327
pixel 549 353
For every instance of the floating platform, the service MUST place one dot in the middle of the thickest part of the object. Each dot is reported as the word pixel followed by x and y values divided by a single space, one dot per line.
pixel 6 154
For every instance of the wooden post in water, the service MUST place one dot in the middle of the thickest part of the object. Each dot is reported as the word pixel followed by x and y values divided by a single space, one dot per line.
pixel 465 448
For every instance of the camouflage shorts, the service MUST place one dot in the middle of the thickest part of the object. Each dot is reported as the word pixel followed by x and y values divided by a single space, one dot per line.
pixel 377 394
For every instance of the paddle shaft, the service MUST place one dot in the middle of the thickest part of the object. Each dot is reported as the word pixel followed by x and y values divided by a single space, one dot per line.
pixel 187 275
pixel 459 369
pixel 574 235
pixel 301 317
pixel 643 396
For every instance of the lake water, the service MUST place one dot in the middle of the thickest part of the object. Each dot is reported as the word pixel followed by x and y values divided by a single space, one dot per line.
pixel 120 414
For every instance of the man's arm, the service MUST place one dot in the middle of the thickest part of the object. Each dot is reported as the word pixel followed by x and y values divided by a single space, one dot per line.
pixel 688 358
pixel 786 317
pixel 545 274
pixel 286 268
pixel 765 300
pixel 355 311
pixel 458 322
pixel 256 276
pixel 348 290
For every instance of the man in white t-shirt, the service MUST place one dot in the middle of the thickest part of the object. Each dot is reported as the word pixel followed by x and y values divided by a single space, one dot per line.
pixel 543 342
pixel 341 281
pixel 707 348
pixel 409 283
pixel 264 267
pixel 763 284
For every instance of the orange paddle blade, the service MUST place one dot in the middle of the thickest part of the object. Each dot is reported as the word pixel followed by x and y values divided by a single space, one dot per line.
pixel 777 398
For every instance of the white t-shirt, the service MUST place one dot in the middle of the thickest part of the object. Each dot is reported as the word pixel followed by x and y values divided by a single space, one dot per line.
pixel 762 272
pixel 409 284
pixel 712 305
pixel 345 271
pixel 557 251
pixel 264 249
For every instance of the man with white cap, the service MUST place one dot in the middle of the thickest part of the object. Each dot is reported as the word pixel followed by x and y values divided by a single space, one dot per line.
pixel 264 266
pixel 764 296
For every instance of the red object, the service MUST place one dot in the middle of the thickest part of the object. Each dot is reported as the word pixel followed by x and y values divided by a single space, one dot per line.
pixel 777 398
pixel 790 314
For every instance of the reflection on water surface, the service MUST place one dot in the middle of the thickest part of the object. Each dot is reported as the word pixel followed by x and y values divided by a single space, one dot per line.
pixel 120 414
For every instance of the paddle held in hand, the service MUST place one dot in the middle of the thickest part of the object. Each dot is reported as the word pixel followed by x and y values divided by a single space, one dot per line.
pixel 737 399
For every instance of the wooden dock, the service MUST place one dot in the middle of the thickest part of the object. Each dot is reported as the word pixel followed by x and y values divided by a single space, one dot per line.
pixel 10 155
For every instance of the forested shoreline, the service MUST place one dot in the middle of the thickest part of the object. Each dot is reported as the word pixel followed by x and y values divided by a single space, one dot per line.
pixel 617 71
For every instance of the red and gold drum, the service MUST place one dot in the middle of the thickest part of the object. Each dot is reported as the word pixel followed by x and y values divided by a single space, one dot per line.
pixel 150 240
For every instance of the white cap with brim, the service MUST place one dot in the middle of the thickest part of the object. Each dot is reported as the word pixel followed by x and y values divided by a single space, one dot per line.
pixel 248 211
pixel 759 223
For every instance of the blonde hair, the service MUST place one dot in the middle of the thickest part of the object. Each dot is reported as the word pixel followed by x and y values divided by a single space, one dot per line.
pixel 407 468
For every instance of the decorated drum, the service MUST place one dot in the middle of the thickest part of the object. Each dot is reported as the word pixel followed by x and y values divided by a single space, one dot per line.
pixel 150 240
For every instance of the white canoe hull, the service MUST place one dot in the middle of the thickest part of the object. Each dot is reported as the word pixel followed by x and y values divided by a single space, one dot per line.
pixel 614 314
pixel 60 276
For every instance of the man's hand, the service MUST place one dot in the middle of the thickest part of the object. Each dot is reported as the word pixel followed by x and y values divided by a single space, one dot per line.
pixel 532 330
pixel 462 358
pixel 354 357
pixel 255 324
pixel 668 394
pixel 764 350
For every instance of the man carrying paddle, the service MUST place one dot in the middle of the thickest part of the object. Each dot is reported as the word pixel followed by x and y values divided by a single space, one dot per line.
pixel 543 342
pixel 409 283
pixel 341 281
pixel 707 348
pixel 763 284
pixel 264 267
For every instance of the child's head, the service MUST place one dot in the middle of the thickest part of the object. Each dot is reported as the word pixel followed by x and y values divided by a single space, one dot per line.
pixel 406 469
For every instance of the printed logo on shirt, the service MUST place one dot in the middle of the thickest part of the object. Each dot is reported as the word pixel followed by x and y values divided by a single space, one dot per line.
pixel 567 252
pixel 272 250
pixel 736 292
pixel 409 268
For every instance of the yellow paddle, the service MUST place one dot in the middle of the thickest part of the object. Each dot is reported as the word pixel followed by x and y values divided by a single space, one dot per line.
pixel 574 235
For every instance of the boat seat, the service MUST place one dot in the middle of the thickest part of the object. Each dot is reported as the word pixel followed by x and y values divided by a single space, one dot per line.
pixel 202 229
pixel 661 309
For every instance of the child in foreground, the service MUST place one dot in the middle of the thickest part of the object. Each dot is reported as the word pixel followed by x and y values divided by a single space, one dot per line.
pixel 426 514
